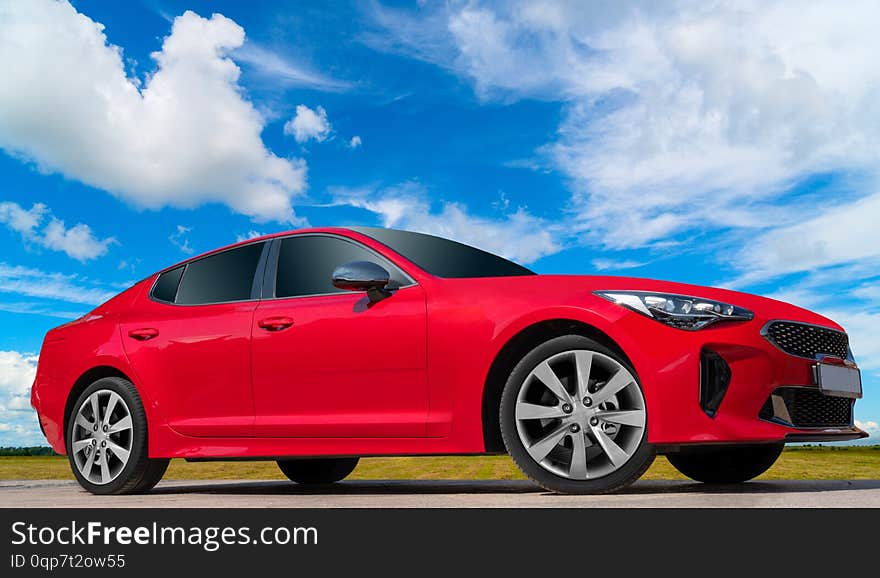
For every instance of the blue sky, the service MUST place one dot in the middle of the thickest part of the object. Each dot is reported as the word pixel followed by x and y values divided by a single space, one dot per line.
pixel 733 146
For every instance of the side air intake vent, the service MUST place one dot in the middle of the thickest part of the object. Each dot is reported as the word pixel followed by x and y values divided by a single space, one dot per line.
pixel 714 379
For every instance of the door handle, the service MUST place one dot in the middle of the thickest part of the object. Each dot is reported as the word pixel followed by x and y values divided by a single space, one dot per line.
pixel 143 334
pixel 275 323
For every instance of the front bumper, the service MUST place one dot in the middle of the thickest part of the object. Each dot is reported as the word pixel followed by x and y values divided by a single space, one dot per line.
pixel 668 362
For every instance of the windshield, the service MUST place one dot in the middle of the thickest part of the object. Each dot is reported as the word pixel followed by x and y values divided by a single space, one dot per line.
pixel 442 257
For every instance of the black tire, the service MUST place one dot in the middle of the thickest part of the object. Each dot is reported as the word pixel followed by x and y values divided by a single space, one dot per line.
pixel 155 470
pixel 727 465
pixel 140 472
pixel 638 463
pixel 318 470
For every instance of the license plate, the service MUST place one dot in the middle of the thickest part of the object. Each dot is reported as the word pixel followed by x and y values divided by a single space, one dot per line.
pixel 839 380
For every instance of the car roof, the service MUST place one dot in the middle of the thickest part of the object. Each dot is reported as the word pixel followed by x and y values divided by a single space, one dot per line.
pixel 344 231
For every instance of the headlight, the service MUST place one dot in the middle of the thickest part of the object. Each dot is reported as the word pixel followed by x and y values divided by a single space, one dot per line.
pixel 679 311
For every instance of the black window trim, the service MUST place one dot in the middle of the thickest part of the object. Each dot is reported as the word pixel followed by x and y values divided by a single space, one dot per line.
pixel 271 269
pixel 256 285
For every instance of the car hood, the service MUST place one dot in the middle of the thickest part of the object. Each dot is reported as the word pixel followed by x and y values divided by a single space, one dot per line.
pixel 764 307
pixel 575 287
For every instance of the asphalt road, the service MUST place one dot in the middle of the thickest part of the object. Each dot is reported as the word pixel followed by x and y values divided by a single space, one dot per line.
pixel 447 494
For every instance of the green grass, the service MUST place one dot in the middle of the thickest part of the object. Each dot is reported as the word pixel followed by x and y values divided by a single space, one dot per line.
pixel 796 463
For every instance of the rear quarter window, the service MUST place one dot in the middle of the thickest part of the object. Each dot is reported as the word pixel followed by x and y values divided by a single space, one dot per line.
pixel 165 288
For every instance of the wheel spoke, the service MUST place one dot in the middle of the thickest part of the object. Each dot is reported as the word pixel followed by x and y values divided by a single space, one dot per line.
pixel 80 445
pixel 614 452
pixel 118 450
pixel 96 413
pixel 86 469
pixel 578 468
pixel 526 410
pixel 545 445
pixel 82 422
pixel 633 417
pixel 105 470
pixel 549 378
pixel 111 405
pixel 618 381
pixel 121 425
pixel 583 361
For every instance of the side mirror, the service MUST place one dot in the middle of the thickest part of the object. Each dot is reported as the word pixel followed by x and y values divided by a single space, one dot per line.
pixel 363 276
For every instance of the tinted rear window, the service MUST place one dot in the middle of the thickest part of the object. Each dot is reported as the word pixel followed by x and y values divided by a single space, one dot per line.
pixel 306 264
pixel 165 288
pixel 445 258
pixel 219 278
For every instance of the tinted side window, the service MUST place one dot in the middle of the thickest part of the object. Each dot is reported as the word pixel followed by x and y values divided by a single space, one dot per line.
pixel 226 276
pixel 306 264
pixel 165 288
pixel 445 258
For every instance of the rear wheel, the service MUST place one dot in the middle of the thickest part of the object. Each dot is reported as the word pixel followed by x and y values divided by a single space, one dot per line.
pixel 573 418
pixel 317 470
pixel 729 465
pixel 107 440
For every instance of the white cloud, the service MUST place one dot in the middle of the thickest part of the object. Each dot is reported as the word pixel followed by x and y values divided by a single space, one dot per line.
pixel 17 373
pixel 185 136
pixel 869 426
pixel 308 124
pixel 615 264
pixel 129 265
pixel 79 242
pixel 278 69
pixel 418 34
pixel 20 220
pixel 31 282
pixel 837 235
pixel 18 422
pixel 31 308
pixel 252 234
pixel 180 239
pixel 518 235
pixel 355 142
pixel 678 116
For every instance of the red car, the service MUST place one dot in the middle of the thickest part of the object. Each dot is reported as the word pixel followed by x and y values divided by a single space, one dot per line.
pixel 317 347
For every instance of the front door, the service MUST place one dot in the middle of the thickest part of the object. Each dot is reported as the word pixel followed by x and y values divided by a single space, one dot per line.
pixel 326 362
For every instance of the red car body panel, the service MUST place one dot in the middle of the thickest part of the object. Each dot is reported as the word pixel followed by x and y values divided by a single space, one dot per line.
pixel 341 371
pixel 208 347
pixel 405 376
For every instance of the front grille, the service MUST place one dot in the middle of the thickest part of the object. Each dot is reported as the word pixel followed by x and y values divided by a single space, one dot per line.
pixel 807 340
pixel 807 407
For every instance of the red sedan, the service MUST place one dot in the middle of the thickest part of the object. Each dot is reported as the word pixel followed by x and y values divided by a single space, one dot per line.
pixel 316 347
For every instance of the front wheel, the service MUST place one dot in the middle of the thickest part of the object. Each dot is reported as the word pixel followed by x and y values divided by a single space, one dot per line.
pixel 107 440
pixel 729 465
pixel 317 470
pixel 574 419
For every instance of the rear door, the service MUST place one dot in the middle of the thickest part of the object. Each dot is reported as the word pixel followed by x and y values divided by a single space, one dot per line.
pixel 327 363
pixel 189 343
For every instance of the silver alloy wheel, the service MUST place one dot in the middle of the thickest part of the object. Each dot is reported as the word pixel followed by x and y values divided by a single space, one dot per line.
pixel 102 437
pixel 580 414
